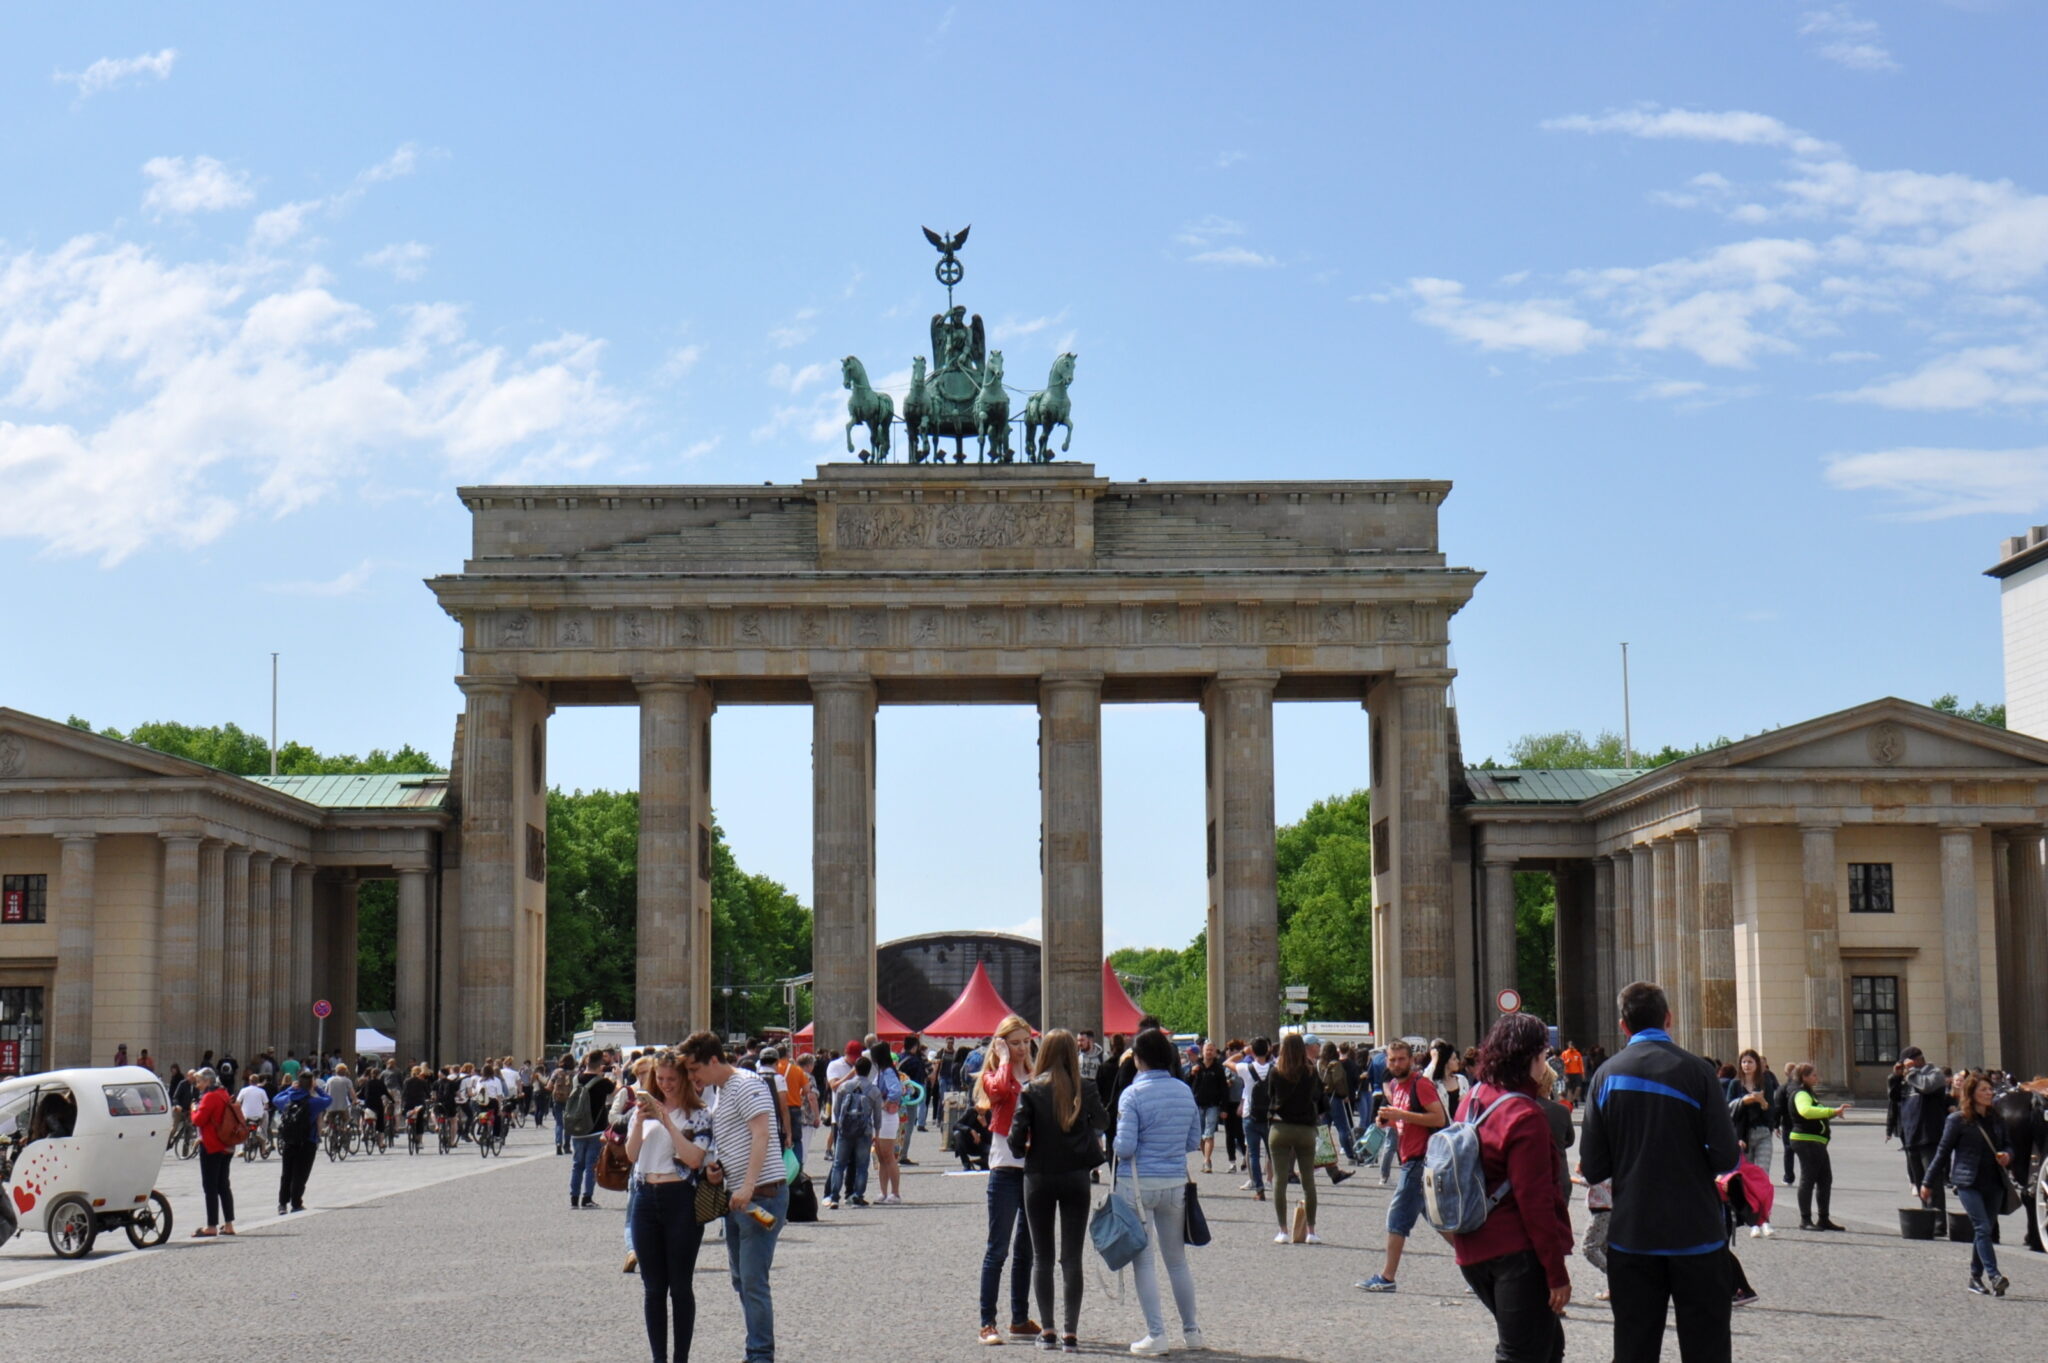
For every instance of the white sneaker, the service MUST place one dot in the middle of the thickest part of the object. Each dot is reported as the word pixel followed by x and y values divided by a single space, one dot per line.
pixel 1755 1231
pixel 1192 1341
pixel 1766 1229
pixel 1245 1186
pixel 1313 1239
pixel 1282 1238
pixel 1151 1347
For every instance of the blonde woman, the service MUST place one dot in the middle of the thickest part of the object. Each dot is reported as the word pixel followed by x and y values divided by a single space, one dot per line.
pixel 623 1102
pixel 997 1090
pixel 668 1140
pixel 1057 1131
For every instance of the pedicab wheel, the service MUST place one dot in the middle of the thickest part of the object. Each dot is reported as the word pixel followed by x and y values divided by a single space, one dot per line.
pixel 73 1227
pixel 151 1225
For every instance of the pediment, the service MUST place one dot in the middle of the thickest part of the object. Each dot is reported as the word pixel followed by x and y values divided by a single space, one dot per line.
pixel 36 749
pixel 1886 735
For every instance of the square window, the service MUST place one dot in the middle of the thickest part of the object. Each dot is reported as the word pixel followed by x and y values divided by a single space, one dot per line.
pixel 1870 887
pixel 24 899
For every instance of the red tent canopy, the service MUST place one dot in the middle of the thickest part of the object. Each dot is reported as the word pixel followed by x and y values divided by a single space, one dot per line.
pixel 976 1012
pixel 886 1027
pixel 1119 1014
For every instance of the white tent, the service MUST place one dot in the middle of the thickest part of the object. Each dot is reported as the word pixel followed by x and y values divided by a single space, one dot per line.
pixel 370 1041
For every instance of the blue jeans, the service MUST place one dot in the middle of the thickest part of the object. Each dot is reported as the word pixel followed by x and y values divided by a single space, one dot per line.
pixel 1255 1136
pixel 1006 1225
pixel 849 1167
pixel 1340 1122
pixel 666 1235
pixel 583 1168
pixel 561 1135
pixel 1983 1254
pixel 912 1115
pixel 750 1250
pixel 1210 1116
pixel 1407 1204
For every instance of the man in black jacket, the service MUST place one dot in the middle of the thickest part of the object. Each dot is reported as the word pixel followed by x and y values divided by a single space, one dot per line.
pixel 1657 1124
pixel 1924 1106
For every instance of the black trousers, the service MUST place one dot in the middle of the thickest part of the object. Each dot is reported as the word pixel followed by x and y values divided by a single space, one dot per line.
pixel 1917 1159
pixel 297 1162
pixel 1067 1195
pixel 1233 1134
pixel 666 1237
pixel 1641 1288
pixel 214 1171
pixel 1514 1289
pixel 1816 1180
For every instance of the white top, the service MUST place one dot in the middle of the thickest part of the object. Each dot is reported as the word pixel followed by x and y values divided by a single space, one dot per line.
pixel 254 1102
pixel 487 1089
pixel 658 1152
pixel 740 1098
pixel 836 1072
pixel 1251 1071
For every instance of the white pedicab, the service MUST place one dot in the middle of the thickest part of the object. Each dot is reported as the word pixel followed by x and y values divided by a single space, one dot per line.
pixel 81 1150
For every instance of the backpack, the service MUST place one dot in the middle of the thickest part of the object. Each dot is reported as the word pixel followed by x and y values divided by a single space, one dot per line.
pixel 1454 1193
pixel 1262 1091
pixel 295 1123
pixel 561 1086
pixel 852 1117
pixel 231 1128
pixel 581 1117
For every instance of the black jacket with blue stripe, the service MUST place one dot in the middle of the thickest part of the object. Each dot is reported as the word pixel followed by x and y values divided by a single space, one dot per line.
pixel 1657 1124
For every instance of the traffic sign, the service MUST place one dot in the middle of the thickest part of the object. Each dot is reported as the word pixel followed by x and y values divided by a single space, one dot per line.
pixel 1295 991
pixel 1508 1001
pixel 1296 1009
pixel 322 1008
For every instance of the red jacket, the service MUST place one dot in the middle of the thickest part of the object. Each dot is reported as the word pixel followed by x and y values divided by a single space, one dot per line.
pixel 1515 1144
pixel 1002 1085
pixel 206 1115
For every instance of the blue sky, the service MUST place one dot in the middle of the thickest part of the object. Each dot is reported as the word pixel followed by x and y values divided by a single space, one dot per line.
pixel 1726 319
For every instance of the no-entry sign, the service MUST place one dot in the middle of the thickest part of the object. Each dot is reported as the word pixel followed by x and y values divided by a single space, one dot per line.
pixel 1508 1001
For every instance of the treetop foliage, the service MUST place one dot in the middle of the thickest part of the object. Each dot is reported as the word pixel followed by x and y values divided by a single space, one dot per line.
pixel 233 749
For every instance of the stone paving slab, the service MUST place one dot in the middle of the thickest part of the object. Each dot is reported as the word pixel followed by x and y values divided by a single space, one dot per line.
pixel 489 1262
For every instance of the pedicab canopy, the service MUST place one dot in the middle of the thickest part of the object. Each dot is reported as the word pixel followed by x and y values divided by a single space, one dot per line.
pixel 886 1027
pixel 1119 1014
pixel 976 1012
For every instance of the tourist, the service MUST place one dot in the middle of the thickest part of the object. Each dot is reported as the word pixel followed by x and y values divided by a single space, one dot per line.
pixel 1159 1127
pixel 144 1061
pixel 997 1087
pixel 1752 1108
pixel 793 1085
pixel 121 1054
pixel 1256 1071
pixel 1446 1069
pixel 747 1137
pixel 376 1097
pixel 1234 1144
pixel 1514 1263
pixel 254 1101
pixel 618 1123
pixel 340 1089
pixel 1925 1102
pixel 669 1145
pixel 856 1113
pixel 890 1084
pixel 969 1139
pixel 216 1156
pixel 1336 1081
pixel 588 1103
pixel 1210 1083
pixel 1574 1073
pixel 299 1109
pixel 1296 1104
pixel 413 1100
pixel 1413 1108
pixel 1969 1134
pixel 1784 1122
pixel 1657 1125
pixel 1809 1140
pixel 915 1067
pixel 1057 1132
pixel 560 1085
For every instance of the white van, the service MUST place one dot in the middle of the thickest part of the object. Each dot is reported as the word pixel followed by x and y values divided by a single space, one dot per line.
pixel 604 1036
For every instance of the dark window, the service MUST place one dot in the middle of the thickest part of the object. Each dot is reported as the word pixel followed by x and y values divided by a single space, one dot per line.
pixel 1874 1017
pixel 24 899
pixel 536 853
pixel 21 1029
pixel 1870 887
pixel 1382 848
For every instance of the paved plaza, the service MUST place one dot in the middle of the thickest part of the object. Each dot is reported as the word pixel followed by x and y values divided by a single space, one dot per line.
pixel 460 1258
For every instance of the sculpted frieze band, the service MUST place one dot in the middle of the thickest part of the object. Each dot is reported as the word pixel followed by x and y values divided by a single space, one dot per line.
pixel 1027 525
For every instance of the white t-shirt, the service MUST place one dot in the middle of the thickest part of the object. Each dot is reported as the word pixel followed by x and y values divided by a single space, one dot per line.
pixel 1251 1071
pixel 487 1089
pixel 658 1152
pixel 741 1098
pixel 836 1072
pixel 254 1102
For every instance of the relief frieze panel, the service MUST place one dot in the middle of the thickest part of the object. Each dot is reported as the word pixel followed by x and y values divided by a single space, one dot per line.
pixel 969 526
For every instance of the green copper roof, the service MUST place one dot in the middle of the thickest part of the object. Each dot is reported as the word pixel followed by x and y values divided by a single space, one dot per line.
pixel 382 791
pixel 1542 787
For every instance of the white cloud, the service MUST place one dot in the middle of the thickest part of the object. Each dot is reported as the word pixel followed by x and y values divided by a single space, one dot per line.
pixel 1847 40
pixel 156 403
pixel 344 584
pixel 404 260
pixel 795 331
pixel 1542 325
pixel 201 185
pixel 1981 376
pixel 1667 389
pixel 1938 483
pixel 1693 125
pixel 276 226
pixel 401 162
pixel 1234 255
pixel 1213 241
pixel 795 381
pixel 680 361
pixel 1226 159
pixel 109 73
pixel 1203 231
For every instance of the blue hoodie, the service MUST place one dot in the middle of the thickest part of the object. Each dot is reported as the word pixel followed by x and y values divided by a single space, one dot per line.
pixel 1158 1125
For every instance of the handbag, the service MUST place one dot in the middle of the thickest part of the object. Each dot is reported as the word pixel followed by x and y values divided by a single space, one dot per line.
pixel 803 1199
pixel 1194 1222
pixel 1116 1229
pixel 712 1201
pixel 2011 1202
pixel 1372 1144
pixel 614 1170
pixel 1326 1147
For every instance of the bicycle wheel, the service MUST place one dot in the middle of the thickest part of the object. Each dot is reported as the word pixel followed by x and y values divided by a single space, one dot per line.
pixel 188 1141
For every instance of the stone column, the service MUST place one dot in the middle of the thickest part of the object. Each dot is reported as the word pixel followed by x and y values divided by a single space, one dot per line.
pixel 71 1038
pixel 2023 957
pixel 211 1022
pixel 1962 971
pixel 1664 916
pixel 1417 992
pixel 178 1013
pixel 414 960
pixel 282 1001
pixel 1244 954
pixel 490 867
pixel 843 858
pixel 261 914
pixel 1497 939
pixel 234 983
pixel 299 1032
pixel 343 959
pixel 1642 887
pixel 1600 1029
pixel 672 987
pixel 1070 845
pixel 1717 941
pixel 1826 1038
pixel 1689 1000
pixel 1573 883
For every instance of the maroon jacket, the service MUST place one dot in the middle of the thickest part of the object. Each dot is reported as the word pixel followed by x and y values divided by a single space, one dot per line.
pixel 1515 1144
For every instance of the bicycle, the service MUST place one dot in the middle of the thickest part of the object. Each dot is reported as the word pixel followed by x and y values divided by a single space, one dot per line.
pixel 184 1140
pixel 416 1130
pixel 445 1131
pixel 370 1133
pixel 489 1131
pixel 261 1140
pixel 341 1136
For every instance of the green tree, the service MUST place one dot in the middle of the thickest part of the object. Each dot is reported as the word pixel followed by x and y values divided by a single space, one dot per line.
pixel 1172 984
pixel 1571 750
pixel 1536 943
pixel 1994 715
pixel 231 748
pixel 1324 864
pixel 593 898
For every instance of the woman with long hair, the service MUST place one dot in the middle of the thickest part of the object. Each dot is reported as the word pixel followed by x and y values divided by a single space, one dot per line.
pixel 1057 1131
pixel 997 1089
pixel 668 1140
pixel 1974 1153
pixel 887 1152
pixel 1297 1107
pixel 1753 1107
pixel 1809 1138
pixel 1784 1122
pixel 1337 1084
pixel 1446 1071
pixel 1514 1263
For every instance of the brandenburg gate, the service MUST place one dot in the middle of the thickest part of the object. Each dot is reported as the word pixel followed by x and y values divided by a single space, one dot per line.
pixel 880 583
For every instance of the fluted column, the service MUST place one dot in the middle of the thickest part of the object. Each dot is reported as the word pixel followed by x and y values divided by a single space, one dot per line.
pixel 1826 1037
pixel 414 961
pixel 342 969
pixel 234 1019
pixel 71 1039
pixel 1497 946
pixel 1415 988
pixel 2023 957
pixel 1685 893
pixel 672 990
pixel 1244 951
pixel 1601 1029
pixel 212 1003
pixel 491 839
pixel 261 914
pixel 178 1011
pixel 1070 841
pixel 843 858
pixel 1642 886
pixel 1962 969
pixel 1717 942
pixel 281 1000
pixel 299 1033
pixel 1664 915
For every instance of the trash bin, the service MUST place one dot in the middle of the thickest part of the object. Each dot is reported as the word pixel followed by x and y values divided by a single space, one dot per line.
pixel 1919 1223
pixel 1960 1230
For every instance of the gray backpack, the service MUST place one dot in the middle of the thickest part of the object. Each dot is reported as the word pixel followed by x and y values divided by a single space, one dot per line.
pixel 1454 1193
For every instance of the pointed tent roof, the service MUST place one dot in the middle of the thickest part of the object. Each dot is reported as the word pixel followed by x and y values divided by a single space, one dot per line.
pixel 886 1027
pixel 1119 1014
pixel 976 1012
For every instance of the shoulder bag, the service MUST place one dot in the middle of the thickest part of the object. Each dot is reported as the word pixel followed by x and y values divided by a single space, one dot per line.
pixel 1195 1225
pixel 614 1170
pixel 2011 1201
pixel 1116 1229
